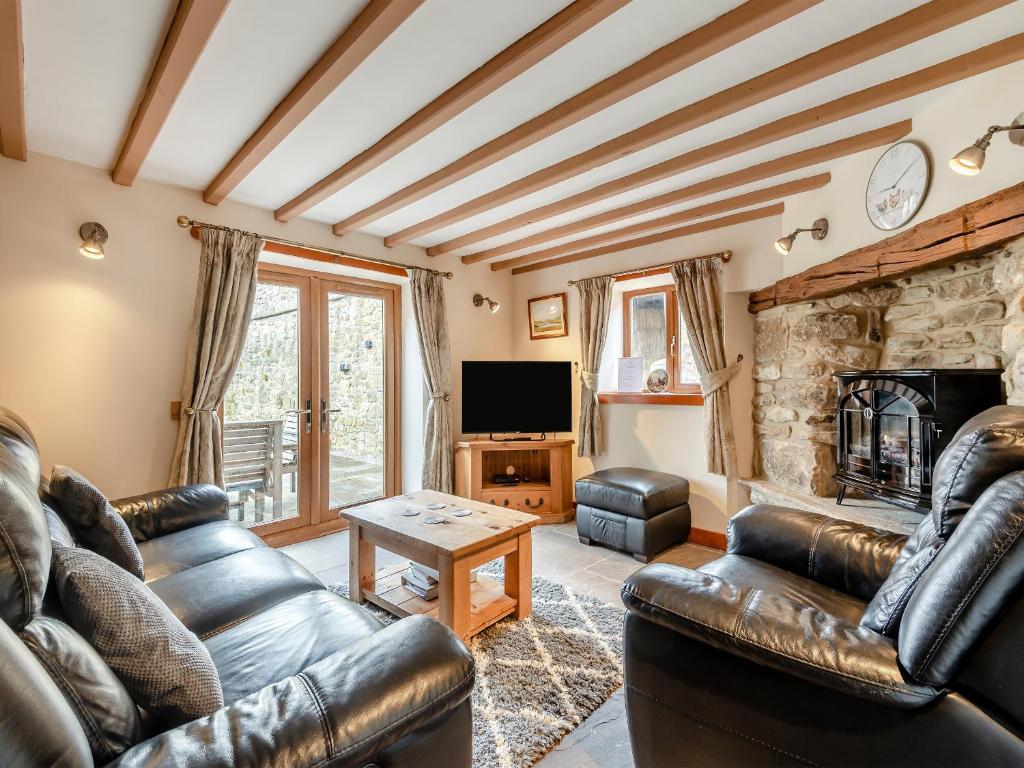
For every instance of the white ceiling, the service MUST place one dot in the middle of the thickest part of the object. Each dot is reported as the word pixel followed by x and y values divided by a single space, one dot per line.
pixel 86 63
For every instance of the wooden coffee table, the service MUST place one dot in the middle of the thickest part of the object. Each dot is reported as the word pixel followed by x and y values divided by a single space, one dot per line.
pixel 453 548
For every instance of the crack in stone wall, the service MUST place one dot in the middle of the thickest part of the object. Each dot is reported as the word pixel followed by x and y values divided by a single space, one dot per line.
pixel 970 315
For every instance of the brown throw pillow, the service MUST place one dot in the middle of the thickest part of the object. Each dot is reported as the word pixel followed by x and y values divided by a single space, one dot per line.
pixel 165 667
pixel 95 524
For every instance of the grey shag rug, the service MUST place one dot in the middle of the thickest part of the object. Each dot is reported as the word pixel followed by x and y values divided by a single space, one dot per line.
pixel 538 679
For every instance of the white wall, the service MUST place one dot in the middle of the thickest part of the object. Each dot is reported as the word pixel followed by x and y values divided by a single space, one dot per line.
pixel 668 438
pixel 948 125
pixel 93 351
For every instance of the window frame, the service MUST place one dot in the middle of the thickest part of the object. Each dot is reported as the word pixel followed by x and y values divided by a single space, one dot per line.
pixel 690 391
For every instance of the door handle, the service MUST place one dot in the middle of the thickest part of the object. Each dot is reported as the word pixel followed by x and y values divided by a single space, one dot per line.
pixel 307 411
pixel 324 410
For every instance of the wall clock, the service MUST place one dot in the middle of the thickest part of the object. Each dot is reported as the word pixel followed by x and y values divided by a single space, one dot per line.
pixel 897 185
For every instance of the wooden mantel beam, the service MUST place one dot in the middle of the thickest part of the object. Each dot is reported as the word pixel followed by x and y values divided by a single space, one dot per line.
pixel 191 30
pixel 13 139
pixel 945 239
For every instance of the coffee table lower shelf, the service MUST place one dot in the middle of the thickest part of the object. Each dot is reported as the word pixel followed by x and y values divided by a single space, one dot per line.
pixel 488 601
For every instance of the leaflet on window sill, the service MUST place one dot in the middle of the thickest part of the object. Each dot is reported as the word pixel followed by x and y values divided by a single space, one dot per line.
pixel 631 374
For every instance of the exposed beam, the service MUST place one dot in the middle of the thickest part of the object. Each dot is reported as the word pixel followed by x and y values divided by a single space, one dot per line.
pixel 190 31
pixel 701 226
pixel 888 36
pixel 786 164
pixel 534 46
pixel 967 65
pixel 733 27
pixel 775 192
pixel 13 139
pixel 945 239
pixel 370 28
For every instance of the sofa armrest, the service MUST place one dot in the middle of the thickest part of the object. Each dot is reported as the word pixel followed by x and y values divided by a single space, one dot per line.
pixel 157 513
pixel 341 711
pixel 850 557
pixel 774 631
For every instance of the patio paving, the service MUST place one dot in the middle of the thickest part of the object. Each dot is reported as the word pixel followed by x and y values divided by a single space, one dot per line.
pixel 352 481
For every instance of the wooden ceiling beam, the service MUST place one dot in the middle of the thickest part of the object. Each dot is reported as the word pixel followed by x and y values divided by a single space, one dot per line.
pixel 714 37
pixel 536 45
pixel 702 226
pixel 921 22
pixel 967 65
pixel 189 33
pixel 775 192
pixel 13 137
pixel 377 21
pixel 766 170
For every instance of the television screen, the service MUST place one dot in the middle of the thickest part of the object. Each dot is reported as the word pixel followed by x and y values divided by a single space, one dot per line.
pixel 505 397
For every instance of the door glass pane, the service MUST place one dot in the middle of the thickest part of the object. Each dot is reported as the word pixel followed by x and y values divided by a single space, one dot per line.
pixel 261 419
pixel 355 398
pixel 648 332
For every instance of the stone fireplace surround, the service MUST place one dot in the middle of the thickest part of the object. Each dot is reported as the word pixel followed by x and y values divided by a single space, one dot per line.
pixel 967 315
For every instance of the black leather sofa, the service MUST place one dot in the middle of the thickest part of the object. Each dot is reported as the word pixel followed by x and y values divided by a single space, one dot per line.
pixel 760 657
pixel 309 678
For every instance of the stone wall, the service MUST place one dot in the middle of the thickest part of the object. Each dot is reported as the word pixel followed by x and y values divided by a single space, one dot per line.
pixel 968 315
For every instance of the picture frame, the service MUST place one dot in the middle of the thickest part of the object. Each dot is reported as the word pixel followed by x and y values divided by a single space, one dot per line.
pixel 548 316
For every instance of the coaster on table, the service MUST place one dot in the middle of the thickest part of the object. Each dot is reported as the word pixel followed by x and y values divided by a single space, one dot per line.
pixel 434 520
pixel 436 505
pixel 461 512
pixel 410 512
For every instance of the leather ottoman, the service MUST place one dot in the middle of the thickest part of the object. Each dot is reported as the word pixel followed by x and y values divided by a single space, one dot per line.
pixel 633 510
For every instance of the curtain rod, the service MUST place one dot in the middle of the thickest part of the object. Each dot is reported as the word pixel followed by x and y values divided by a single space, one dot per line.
pixel 723 255
pixel 185 222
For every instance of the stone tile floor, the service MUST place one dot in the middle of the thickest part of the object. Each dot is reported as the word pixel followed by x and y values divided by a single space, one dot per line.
pixel 602 740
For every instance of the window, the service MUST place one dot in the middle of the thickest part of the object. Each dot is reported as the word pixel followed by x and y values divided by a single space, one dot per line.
pixel 653 330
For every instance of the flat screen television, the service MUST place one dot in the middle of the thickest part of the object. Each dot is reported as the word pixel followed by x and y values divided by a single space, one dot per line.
pixel 508 397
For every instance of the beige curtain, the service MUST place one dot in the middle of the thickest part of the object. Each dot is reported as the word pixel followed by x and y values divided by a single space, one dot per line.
pixel 428 306
pixel 595 307
pixel 224 296
pixel 700 302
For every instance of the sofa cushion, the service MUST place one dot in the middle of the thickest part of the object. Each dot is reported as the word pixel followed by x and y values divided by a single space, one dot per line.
pixel 222 592
pixel 633 492
pixel 24 537
pixel 285 639
pixel 984 449
pixel 165 667
pixel 179 551
pixel 747 571
pixel 93 521
pixel 102 704
pixel 885 610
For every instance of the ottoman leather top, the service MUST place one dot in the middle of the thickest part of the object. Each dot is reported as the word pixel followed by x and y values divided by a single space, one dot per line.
pixel 633 492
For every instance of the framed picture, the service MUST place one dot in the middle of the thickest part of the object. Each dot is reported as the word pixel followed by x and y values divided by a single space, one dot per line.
pixel 547 316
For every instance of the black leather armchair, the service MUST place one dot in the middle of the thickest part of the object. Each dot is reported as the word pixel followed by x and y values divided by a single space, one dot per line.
pixel 769 655
pixel 309 678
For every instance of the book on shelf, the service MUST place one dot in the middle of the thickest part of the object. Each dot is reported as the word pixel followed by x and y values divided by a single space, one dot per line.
pixel 414 587
pixel 428 576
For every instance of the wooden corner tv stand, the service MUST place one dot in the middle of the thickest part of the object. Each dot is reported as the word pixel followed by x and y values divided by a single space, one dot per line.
pixel 544 466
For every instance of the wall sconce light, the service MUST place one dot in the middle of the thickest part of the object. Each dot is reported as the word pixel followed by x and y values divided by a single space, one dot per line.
pixel 969 161
pixel 818 231
pixel 93 235
pixel 492 305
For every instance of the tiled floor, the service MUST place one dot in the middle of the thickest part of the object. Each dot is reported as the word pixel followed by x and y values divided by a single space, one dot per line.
pixel 602 741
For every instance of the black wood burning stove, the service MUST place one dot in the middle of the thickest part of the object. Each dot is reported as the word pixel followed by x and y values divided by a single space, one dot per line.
pixel 894 424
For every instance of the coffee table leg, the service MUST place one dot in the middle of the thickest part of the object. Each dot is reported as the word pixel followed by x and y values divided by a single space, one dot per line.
pixel 362 563
pixel 519 575
pixel 453 595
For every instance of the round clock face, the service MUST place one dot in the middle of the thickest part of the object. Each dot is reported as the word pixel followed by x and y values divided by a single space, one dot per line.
pixel 897 185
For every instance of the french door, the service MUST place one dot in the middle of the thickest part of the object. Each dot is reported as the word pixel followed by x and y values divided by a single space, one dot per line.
pixel 311 419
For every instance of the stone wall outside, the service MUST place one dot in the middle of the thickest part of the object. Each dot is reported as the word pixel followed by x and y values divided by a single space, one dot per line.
pixel 969 315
